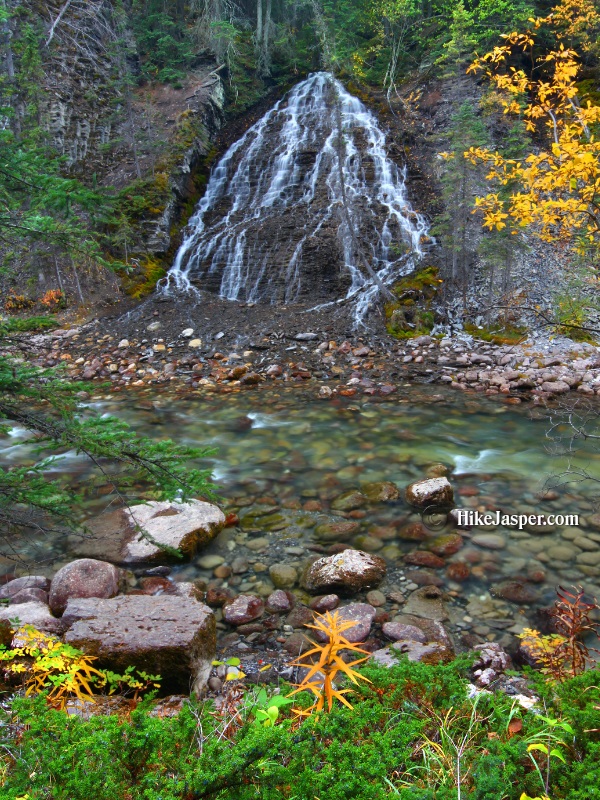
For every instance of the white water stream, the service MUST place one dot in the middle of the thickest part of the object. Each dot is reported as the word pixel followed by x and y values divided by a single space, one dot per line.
pixel 257 233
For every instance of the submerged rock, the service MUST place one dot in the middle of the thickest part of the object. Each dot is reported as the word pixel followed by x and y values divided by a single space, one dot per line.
pixel 347 572
pixel 382 492
pixel 243 609
pixel 427 602
pixel 361 614
pixel 172 636
pixel 180 526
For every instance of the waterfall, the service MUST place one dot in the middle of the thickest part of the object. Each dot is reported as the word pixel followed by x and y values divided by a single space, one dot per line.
pixel 272 226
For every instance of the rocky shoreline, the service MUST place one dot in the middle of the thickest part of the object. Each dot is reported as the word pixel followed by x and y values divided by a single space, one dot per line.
pixel 216 345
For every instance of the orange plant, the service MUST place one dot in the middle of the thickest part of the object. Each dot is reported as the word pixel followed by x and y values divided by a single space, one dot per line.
pixel 53 299
pixel 17 302
pixel 322 672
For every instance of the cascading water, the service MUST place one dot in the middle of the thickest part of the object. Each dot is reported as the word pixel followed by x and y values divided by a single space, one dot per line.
pixel 305 207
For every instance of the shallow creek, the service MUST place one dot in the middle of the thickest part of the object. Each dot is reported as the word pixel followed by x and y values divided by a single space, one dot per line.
pixel 284 456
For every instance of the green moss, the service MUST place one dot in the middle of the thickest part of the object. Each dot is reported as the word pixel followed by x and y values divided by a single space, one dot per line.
pixel 26 324
pixel 506 334
pixel 411 314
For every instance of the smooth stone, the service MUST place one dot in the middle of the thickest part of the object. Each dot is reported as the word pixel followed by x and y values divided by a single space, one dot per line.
pixel 280 602
pixel 327 602
pixel 515 592
pixel 347 572
pixel 376 598
pixel 427 602
pixel 349 501
pixel 115 537
pixel 210 561
pixel 491 541
pixel 85 577
pixel 283 576
pixel 361 614
pixel 397 631
pixel 382 492
pixel 336 531
pixel 31 595
pixel 242 609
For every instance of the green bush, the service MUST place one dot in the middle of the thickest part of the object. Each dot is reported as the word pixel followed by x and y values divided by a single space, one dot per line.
pixel 398 742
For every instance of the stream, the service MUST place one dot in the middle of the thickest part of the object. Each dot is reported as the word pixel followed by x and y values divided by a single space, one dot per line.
pixel 284 457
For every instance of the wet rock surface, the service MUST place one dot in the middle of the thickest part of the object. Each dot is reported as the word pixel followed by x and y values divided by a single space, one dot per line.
pixel 171 636
pixel 186 527
pixel 85 577
pixel 347 573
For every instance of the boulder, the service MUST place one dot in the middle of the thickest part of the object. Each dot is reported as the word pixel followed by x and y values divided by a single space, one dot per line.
pixel 85 577
pixel 171 636
pixel 347 572
pixel 27 582
pixel 186 527
pixel 430 492
pixel 33 613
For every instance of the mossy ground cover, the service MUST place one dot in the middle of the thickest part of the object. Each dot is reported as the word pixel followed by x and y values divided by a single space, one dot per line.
pixel 412 733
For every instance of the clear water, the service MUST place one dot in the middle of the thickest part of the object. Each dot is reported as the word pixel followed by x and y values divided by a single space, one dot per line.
pixel 279 448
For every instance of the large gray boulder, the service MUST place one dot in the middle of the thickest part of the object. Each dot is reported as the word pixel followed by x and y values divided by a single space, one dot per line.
pixel 168 635
pixel 346 573
pixel 85 577
pixel 116 536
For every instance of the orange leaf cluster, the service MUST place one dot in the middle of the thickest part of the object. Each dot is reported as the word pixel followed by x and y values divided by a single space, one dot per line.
pixel 322 671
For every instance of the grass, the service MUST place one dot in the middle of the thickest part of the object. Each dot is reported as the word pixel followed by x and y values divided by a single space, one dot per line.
pixel 413 733
pixel 26 324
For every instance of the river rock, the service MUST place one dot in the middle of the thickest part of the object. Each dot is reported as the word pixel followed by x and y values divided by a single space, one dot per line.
pixel 347 572
pixel 244 608
pixel 85 577
pixel 336 531
pixel 390 656
pixel 397 631
pixel 31 595
pixel 280 602
pixel 381 492
pixel 430 492
pixel 491 541
pixel 32 613
pixel 413 532
pixel 326 602
pixel 171 636
pixel 349 501
pixel 283 576
pixel 446 544
pixel 515 592
pixel 427 602
pixel 423 558
pixel 27 582
pixel 361 614
pixel 181 526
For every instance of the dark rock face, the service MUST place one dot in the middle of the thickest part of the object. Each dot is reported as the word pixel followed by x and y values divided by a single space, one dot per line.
pixel 346 573
pixel 174 637
pixel 85 577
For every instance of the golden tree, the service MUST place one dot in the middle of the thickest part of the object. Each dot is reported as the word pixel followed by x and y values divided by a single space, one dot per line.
pixel 555 191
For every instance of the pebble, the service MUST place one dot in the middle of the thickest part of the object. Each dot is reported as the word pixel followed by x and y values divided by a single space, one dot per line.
pixel 376 598
pixel 210 562
pixel 492 541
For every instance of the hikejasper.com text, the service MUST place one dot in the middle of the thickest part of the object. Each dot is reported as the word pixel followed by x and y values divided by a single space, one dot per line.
pixel 476 519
